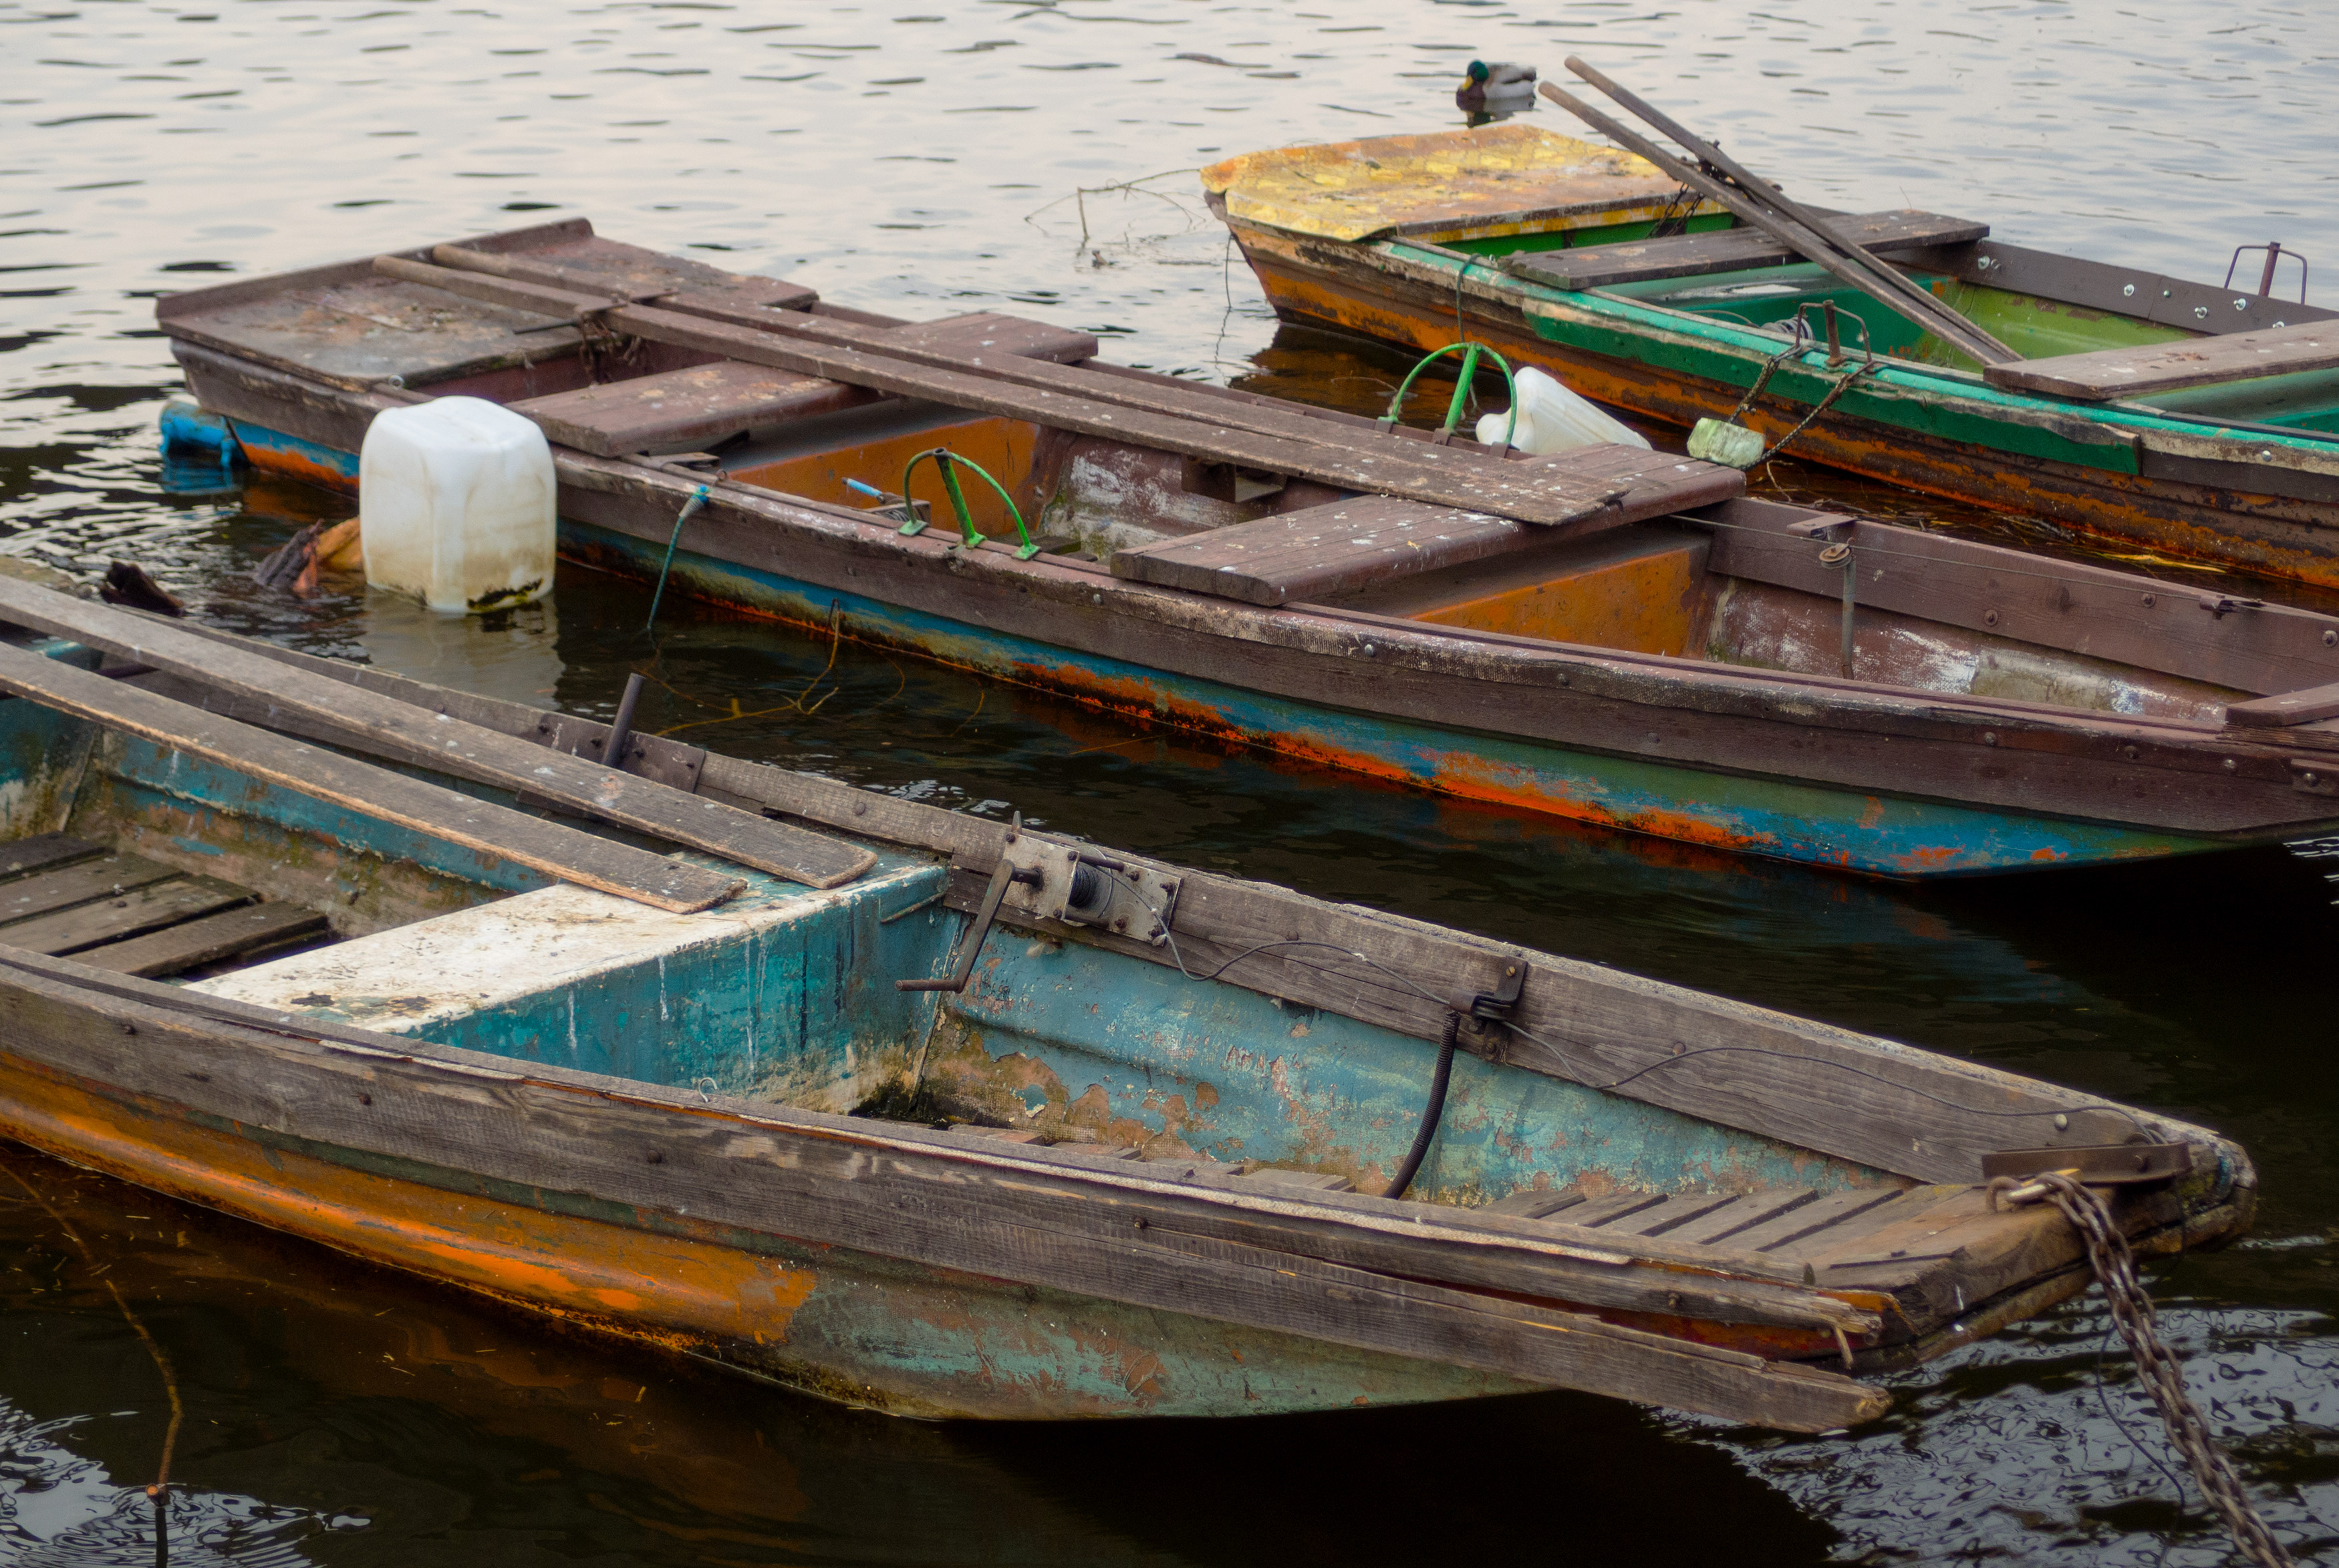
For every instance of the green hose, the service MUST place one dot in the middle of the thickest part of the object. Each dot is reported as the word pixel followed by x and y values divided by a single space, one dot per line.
pixel 947 463
pixel 1470 352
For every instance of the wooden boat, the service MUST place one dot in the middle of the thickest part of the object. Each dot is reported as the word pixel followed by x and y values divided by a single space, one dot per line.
pixel 2197 420
pixel 646 1063
pixel 1610 634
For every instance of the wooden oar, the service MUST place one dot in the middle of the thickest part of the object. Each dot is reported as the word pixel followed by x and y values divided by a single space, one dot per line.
pixel 1763 193
pixel 1786 231
pixel 344 781
pixel 383 726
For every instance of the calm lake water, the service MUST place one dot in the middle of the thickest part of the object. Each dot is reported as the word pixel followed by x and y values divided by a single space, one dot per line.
pixel 926 162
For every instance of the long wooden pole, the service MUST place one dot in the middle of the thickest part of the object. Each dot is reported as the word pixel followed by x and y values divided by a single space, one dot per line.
pixel 1786 231
pixel 1762 192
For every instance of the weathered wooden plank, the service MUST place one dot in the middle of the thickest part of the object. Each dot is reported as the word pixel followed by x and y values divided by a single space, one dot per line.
pixel 1728 251
pixel 549 847
pixel 128 914
pixel 21 857
pixel 2109 614
pixel 844 1185
pixel 1322 552
pixel 1672 1216
pixel 1808 1219
pixel 1727 1222
pixel 79 882
pixel 2148 367
pixel 212 939
pixel 684 410
pixel 1535 1203
pixel 622 271
pixel 383 726
pixel 2299 707
pixel 1609 1210
pixel 1445 476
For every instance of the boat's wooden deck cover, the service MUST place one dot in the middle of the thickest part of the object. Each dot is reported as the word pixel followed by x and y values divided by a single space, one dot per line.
pixel 63 896
pixel 1729 251
pixel 2147 368
pixel 1322 553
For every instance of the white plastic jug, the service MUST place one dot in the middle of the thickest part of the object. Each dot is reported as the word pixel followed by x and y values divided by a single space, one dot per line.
pixel 1554 419
pixel 458 495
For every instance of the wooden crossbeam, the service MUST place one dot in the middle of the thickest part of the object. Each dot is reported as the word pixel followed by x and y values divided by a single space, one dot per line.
pixel 2133 372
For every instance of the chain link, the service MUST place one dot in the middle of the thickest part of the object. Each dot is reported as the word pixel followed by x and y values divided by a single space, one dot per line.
pixel 2162 1376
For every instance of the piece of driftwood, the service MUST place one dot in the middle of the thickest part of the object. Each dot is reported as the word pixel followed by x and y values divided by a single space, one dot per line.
pixel 547 847
pixel 2148 367
pixel 385 727
pixel 1726 250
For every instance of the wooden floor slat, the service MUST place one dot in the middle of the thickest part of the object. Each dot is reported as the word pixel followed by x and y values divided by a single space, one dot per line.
pixel 135 911
pixel 1676 1214
pixel 1811 1219
pixel 26 855
pixel 252 929
pixel 1537 1203
pixel 83 882
pixel 1744 1214
pixel 1612 1209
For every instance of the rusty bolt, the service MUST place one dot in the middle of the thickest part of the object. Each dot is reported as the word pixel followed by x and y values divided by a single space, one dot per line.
pixel 1990 617
pixel 2149 601
pixel 1989 737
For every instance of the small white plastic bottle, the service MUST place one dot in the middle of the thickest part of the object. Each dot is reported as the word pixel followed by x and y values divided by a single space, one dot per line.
pixel 1554 419
pixel 458 496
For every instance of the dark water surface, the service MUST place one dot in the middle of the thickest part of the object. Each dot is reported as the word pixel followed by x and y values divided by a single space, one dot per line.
pixel 924 163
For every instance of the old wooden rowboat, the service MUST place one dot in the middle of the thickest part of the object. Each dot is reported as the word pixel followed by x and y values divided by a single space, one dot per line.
pixel 2196 420
pixel 1610 634
pixel 1129 1168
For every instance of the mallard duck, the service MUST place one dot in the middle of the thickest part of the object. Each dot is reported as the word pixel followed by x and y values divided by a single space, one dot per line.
pixel 1494 91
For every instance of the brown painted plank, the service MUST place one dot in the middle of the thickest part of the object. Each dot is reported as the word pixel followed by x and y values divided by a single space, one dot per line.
pixel 212 939
pixel 132 913
pixel 2299 707
pixel 1444 475
pixel 384 726
pixel 23 856
pixel 1728 251
pixel 78 882
pixel 684 410
pixel 2164 367
pixel 1001 1212
pixel 619 271
pixel 1322 552
pixel 549 847
pixel 2103 614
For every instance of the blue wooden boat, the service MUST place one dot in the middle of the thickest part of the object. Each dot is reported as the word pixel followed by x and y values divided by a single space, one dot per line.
pixel 1610 634
pixel 940 1116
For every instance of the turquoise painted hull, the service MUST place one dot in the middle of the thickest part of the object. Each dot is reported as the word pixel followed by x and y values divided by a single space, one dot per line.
pixel 1813 824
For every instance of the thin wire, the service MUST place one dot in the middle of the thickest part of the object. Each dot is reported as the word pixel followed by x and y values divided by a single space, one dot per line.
pixel 1410 984
pixel 2119 1422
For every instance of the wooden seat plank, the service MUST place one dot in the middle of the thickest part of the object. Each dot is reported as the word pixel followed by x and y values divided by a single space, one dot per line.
pixel 549 847
pixel 1321 552
pixel 2164 367
pixel 135 911
pixel 2306 706
pixel 1728 251
pixel 684 410
pixel 255 929
pixel 23 856
pixel 77 883
pixel 382 726
pixel 620 271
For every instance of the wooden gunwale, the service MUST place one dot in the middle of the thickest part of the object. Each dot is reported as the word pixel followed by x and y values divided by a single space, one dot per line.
pixel 1728 719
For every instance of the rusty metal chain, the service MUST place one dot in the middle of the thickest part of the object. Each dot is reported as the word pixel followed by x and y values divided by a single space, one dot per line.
pixel 2164 1376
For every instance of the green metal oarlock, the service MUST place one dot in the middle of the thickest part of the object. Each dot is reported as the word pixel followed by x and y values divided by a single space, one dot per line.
pixel 947 462
pixel 1470 352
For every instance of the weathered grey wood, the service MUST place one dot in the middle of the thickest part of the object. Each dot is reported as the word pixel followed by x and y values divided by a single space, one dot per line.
pixel 1804 1223
pixel 618 271
pixel 1727 251
pixel 1535 1203
pixel 2092 610
pixel 547 847
pixel 2299 707
pixel 127 914
pixel 684 410
pixel 80 882
pixel 212 939
pixel 1675 1214
pixel 846 1186
pixel 21 857
pixel 1616 1207
pixel 1444 475
pixel 1732 1219
pixel 383 726
pixel 2149 367
pixel 1322 552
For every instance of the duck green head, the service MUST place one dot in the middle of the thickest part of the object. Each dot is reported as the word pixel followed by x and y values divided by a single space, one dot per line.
pixel 1477 71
